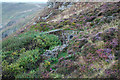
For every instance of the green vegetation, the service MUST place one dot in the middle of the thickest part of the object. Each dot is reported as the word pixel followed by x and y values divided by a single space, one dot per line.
pixel 23 53
pixel 42 26
pixel 17 43
pixel 91 52
pixel 46 41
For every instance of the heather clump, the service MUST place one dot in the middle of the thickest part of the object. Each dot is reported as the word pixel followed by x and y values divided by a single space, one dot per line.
pixel 77 42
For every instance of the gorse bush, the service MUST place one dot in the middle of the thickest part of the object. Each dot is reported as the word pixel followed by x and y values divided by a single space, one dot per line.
pixel 10 56
pixel 19 59
pixel 46 41
pixel 26 62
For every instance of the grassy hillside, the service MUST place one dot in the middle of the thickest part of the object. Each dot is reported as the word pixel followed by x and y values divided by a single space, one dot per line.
pixel 9 10
pixel 82 43
pixel 17 15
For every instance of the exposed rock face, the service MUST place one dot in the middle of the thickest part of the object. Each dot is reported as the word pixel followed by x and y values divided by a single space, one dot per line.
pixel 59 5
pixel 55 51
pixel 50 4
pixel 45 18
pixel 11 23
pixel 64 36
pixel 55 31
pixel 65 5
pixel 68 35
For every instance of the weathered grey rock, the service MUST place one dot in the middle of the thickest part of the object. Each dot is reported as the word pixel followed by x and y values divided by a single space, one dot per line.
pixel 55 31
pixel 44 18
pixel 68 35
pixel 55 51
pixel 64 36
pixel 62 7
pixel 51 4
pixel 100 13
pixel 34 23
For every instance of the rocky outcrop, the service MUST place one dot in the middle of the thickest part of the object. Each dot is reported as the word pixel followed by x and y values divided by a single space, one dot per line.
pixel 59 5
pixel 55 51
pixel 45 18
pixel 65 5
pixel 64 36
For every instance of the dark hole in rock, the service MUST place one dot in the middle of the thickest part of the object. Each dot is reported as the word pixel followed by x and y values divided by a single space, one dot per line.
pixel 71 36
pixel 49 53
pixel 54 54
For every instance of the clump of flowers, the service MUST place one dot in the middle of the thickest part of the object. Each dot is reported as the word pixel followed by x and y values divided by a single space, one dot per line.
pixel 14 53
pixel 47 63
pixel 114 42
pixel 73 24
pixel 111 44
pixel 105 53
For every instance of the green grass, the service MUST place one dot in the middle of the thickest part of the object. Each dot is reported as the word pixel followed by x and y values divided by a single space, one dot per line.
pixel 62 54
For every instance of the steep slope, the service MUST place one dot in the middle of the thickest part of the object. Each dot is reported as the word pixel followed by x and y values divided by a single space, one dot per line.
pixel 82 43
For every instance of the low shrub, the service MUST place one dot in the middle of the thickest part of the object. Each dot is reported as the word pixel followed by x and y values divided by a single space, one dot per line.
pixel 27 61
pixel 19 42
pixel 46 41
pixel 42 26
pixel 29 58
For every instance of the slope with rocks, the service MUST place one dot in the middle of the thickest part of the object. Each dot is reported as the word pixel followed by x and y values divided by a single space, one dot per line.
pixel 82 43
